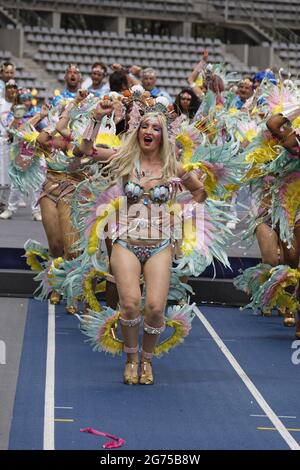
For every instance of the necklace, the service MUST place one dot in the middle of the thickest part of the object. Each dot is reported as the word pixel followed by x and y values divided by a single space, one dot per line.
pixel 147 173
pixel 142 173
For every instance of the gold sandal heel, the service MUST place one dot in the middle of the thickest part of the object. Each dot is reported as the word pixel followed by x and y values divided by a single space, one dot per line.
pixel 289 319
pixel 71 309
pixel 146 377
pixel 266 312
pixel 131 373
pixel 55 298
pixel 281 311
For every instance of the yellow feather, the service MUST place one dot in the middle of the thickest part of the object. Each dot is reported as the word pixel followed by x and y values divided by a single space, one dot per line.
pixel 108 139
pixel 176 338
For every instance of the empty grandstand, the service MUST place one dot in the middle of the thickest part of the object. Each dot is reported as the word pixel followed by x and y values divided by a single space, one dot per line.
pixel 42 36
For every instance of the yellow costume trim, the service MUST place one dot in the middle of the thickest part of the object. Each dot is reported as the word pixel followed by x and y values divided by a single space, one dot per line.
pixel 296 122
pixel 189 242
pixel 176 338
pixel 33 262
pixel 31 137
pixel 110 343
pixel 57 261
pixel 266 152
pixel 210 181
pixel 99 225
pixel 230 188
pixel 291 200
pixel 108 139
pixel 264 277
pixel 108 340
pixel 199 80
pixel 278 109
pixel 282 298
pixel 88 290
pixel 187 146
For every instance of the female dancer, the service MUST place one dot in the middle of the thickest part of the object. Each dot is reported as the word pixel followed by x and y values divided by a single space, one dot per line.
pixel 144 168
pixel 58 189
pixel 275 282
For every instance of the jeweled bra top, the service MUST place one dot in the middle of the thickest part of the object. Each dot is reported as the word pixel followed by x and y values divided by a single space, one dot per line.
pixel 158 194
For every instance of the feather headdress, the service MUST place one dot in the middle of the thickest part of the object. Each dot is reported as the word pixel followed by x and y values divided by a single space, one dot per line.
pixel 141 103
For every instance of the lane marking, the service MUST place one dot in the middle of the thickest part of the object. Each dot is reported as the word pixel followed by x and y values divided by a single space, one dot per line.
pixel 48 442
pixel 279 416
pixel 64 420
pixel 64 407
pixel 274 429
pixel 279 426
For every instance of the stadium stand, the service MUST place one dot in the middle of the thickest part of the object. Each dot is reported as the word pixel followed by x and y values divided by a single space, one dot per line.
pixel 285 11
pixel 173 57
pixel 169 52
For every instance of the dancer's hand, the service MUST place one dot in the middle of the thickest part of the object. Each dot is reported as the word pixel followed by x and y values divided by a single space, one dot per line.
pixel 104 108
pixel 44 110
pixel 81 95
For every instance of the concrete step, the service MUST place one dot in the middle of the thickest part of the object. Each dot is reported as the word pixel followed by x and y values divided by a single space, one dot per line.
pixel 9 16
pixel 20 283
pixel 40 73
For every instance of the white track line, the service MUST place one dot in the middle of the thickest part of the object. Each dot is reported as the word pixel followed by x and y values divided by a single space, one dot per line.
pixel 50 381
pixel 64 407
pixel 279 416
pixel 291 442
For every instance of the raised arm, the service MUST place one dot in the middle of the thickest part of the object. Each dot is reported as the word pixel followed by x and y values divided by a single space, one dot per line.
pixel 104 108
pixel 62 125
pixel 33 121
pixel 194 75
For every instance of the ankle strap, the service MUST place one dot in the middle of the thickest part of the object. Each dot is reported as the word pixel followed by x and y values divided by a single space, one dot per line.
pixel 152 330
pixel 128 350
pixel 146 354
pixel 133 322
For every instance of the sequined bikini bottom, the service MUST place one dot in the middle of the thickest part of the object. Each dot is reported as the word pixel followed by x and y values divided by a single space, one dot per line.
pixel 144 252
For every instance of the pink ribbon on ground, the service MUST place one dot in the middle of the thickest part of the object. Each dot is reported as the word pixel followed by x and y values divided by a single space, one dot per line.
pixel 114 444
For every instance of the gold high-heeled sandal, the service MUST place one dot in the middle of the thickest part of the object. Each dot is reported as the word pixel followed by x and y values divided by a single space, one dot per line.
pixel 281 311
pixel 289 319
pixel 266 312
pixel 146 373
pixel 131 373
pixel 55 298
pixel 71 309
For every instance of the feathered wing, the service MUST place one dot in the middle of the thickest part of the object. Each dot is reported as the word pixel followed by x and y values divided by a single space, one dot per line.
pixel 92 211
pixel 287 191
pixel 27 169
pixel 275 291
pixel 204 238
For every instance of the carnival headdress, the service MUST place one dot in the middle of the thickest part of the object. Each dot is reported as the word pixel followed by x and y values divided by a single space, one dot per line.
pixel 142 103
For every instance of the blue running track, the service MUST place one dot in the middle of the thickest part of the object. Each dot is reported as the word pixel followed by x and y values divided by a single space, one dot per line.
pixel 198 400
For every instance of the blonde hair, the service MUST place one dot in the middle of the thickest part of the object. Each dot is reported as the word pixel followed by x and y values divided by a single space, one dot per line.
pixel 129 153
